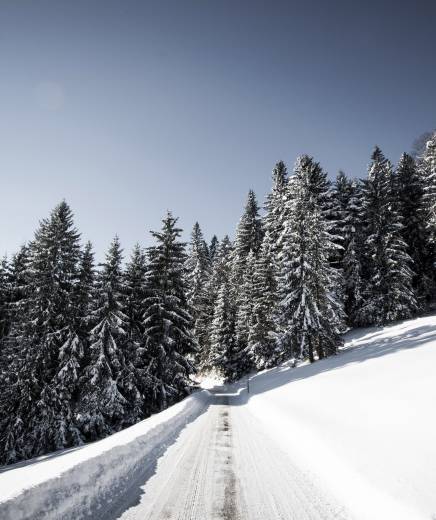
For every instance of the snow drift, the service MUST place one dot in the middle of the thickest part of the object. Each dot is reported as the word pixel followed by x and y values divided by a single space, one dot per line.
pixel 85 482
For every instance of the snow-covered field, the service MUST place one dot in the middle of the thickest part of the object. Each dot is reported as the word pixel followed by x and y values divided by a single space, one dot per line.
pixel 350 437
pixel 363 422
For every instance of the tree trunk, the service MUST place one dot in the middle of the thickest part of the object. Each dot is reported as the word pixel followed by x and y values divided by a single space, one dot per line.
pixel 311 357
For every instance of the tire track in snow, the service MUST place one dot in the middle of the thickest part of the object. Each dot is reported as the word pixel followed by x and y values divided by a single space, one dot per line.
pixel 195 479
pixel 224 466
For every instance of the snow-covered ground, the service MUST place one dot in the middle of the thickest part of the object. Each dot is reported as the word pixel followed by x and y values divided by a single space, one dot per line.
pixel 350 437
pixel 363 422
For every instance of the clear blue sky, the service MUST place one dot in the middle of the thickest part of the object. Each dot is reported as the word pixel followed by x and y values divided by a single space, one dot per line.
pixel 129 108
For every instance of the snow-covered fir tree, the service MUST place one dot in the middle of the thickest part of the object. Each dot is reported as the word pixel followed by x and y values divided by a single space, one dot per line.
pixel 242 361
pixel 5 323
pixel 310 317
pixel 198 271
pixel 137 356
pixel 338 200
pixel 275 206
pixel 213 248
pixel 39 409
pixel 85 292
pixel 263 349
pixel 223 335
pixel 427 173
pixel 247 244
pixel 221 273
pixel 168 322
pixel 108 382
pixel 248 237
pixel 387 293
pixel 16 284
pixel 352 244
pixel 409 186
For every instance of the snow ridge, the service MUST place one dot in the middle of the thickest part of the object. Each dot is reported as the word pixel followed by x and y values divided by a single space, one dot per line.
pixel 86 482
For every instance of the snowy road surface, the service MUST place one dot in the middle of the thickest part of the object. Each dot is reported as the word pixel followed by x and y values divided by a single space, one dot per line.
pixel 223 466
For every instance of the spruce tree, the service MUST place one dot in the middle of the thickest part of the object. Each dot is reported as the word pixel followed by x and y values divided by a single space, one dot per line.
pixel 352 255
pixel 410 186
pixel 104 406
pixel 221 273
pixel 85 292
pixel 223 335
pixel 213 248
pixel 167 320
pixel 4 299
pixel 248 241
pixel 39 408
pixel 17 284
pixel 388 294
pixel 262 337
pixel 275 206
pixel 137 356
pixel 248 237
pixel 427 174
pixel 242 361
pixel 198 271
pixel 310 317
pixel 338 201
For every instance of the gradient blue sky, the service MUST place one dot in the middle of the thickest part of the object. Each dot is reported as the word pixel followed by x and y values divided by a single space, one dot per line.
pixel 129 108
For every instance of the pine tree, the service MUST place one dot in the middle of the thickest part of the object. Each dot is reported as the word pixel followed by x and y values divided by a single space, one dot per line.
pixel 410 186
pixel 213 249
pixel 221 273
pixel 198 271
pixel 167 319
pixel 248 237
pixel 39 408
pixel 310 316
pixel 275 206
pixel 242 362
pixel 85 292
pixel 248 241
pixel 104 406
pixel 137 355
pixel 223 334
pixel 427 174
pixel 5 324
pixel 352 256
pixel 4 299
pixel 337 209
pixel 388 293
pixel 262 337
pixel 17 284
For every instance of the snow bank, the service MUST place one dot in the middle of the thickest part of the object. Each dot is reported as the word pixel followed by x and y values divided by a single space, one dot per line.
pixel 362 423
pixel 83 483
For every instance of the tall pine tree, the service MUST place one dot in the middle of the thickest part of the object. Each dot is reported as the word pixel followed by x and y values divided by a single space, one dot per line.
pixel 198 271
pixel 167 319
pixel 310 315
pixel 388 294
pixel 39 408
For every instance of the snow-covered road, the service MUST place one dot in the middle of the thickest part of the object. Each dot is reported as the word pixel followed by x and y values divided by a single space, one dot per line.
pixel 224 466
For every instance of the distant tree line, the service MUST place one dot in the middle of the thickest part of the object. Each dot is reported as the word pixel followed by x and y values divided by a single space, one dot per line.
pixel 87 350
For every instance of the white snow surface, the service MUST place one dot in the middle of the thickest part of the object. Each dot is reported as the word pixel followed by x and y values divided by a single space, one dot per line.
pixel 349 437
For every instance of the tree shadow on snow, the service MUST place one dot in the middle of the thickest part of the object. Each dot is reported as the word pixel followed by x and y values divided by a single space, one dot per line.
pixel 362 346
